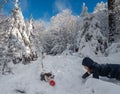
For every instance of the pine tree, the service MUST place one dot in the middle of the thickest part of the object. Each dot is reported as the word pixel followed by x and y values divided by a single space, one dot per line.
pixel 30 27
pixel 84 10
pixel 5 55
pixel 101 14
pixel 90 37
pixel 20 44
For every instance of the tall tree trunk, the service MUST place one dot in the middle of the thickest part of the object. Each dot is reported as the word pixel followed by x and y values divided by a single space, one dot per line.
pixel 112 23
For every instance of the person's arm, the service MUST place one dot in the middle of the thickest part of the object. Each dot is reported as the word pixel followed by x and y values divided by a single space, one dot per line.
pixel 85 75
pixel 96 73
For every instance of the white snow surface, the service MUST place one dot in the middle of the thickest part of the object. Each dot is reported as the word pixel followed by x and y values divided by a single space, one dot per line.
pixel 67 70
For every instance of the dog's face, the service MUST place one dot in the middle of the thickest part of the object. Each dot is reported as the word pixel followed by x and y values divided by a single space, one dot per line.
pixel 46 76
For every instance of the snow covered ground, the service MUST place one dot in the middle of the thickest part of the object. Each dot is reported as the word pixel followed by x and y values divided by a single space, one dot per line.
pixel 67 70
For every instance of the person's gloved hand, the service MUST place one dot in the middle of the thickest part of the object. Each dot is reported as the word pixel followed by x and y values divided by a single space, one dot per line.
pixel 85 75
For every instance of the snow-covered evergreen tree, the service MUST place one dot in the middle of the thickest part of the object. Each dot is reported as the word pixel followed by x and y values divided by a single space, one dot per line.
pixel 39 26
pixel 101 14
pixel 90 37
pixel 36 37
pixel 84 10
pixel 100 7
pixel 30 27
pixel 20 44
pixel 5 55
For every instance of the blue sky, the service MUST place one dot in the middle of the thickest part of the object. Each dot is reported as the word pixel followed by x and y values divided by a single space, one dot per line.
pixel 45 9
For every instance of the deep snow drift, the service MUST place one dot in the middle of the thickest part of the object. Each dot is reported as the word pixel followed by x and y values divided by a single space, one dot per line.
pixel 67 70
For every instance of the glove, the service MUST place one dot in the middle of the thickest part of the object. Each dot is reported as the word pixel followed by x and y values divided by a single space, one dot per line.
pixel 85 75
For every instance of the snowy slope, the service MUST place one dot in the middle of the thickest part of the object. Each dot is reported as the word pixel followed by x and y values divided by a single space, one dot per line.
pixel 67 70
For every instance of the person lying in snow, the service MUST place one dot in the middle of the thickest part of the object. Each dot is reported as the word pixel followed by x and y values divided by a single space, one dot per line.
pixel 107 70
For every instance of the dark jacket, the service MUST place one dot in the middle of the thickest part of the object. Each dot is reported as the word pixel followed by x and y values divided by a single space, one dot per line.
pixel 107 70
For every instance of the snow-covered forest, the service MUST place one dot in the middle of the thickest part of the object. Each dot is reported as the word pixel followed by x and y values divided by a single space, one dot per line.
pixel 64 43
